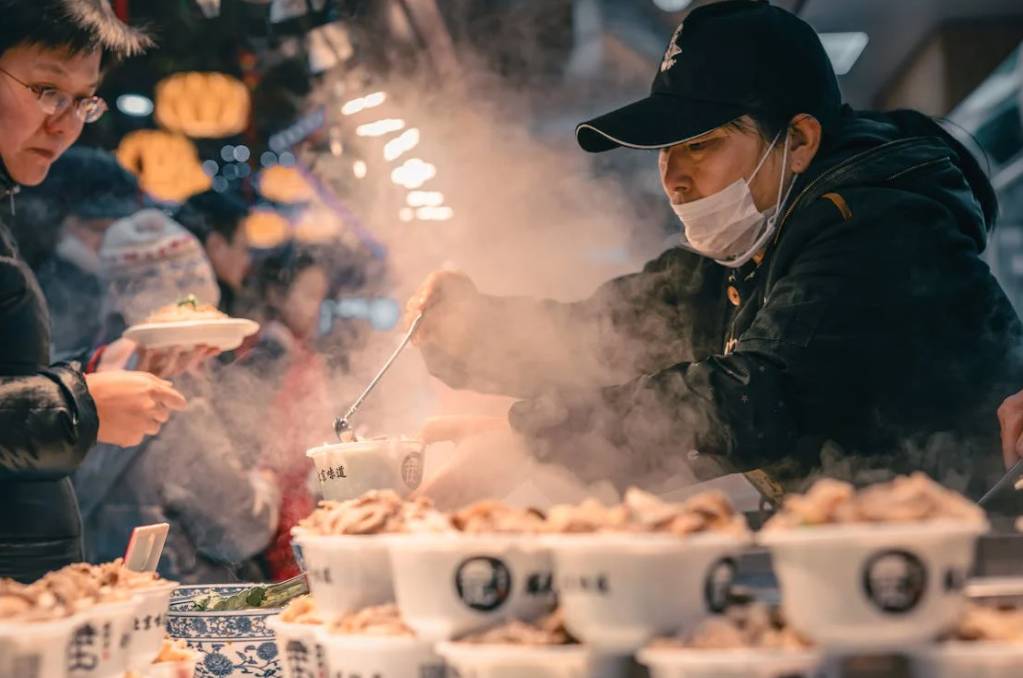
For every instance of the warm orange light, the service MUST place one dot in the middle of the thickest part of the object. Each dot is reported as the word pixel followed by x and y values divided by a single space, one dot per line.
pixel 166 164
pixel 284 184
pixel 265 229
pixel 203 105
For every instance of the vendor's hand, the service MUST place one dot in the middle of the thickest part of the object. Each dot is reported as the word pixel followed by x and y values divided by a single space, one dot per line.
pixel 131 405
pixel 439 298
pixel 1010 417
pixel 161 362
pixel 455 428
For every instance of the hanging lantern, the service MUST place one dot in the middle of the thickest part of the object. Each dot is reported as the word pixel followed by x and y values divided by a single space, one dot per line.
pixel 285 185
pixel 265 229
pixel 317 226
pixel 202 105
pixel 166 164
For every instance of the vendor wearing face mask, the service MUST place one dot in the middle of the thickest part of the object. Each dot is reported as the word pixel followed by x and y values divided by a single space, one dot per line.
pixel 826 312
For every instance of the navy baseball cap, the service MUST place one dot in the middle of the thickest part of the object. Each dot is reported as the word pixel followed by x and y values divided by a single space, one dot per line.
pixel 725 60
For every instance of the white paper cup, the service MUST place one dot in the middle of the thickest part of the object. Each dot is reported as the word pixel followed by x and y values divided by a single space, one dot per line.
pixel 100 643
pixel 346 572
pixel 380 656
pixel 873 587
pixel 348 470
pixel 969 660
pixel 668 662
pixel 447 585
pixel 299 646
pixel 36 649
pixel 471 660
pixel 149 625
pixel 617 591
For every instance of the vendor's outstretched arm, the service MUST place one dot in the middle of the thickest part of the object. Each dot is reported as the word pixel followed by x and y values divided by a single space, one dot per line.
pixel 524 347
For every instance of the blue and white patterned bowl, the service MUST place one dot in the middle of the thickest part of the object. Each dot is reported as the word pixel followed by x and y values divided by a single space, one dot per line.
pixel 230 644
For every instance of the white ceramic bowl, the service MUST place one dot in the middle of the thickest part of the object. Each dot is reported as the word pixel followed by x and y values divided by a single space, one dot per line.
pixel 348 470
pixel 617 591
pixel 972 660
pixel 380 656
pixel 101 640
pixel 37 649
pixel 873 587
pixel 666 662
pixel 301 651
pixel 149 625
pixel 447 585
pixel 469 660
pixel 346 572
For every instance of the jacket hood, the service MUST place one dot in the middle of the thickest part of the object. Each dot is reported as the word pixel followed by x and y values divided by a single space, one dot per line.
pixel 875 149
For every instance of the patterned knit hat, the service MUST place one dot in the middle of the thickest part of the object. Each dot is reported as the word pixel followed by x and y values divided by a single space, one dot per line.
pixel 150 261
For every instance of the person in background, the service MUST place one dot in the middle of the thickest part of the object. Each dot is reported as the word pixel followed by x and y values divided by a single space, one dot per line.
pixel 52 53
pixel 94 191
pixel 190 475
pixel 288 379
pixel 216 220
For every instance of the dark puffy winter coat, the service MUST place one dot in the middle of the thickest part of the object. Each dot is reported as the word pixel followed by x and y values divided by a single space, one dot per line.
pixel 48 422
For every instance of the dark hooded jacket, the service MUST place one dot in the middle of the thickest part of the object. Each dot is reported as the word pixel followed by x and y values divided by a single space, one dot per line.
pixel 48 422
pixel 870 339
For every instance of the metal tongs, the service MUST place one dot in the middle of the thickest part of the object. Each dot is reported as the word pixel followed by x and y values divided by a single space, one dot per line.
pixel 343 423
pixel 1006 484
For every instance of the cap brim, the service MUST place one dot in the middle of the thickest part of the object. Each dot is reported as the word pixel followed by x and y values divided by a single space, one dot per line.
pixel 658 121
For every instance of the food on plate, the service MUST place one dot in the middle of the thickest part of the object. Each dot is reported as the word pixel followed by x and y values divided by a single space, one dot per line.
pixel 751 626
pixel 990 624
pixel 489 516
pixel 187 309
pixel 643 512
pixel 548 630
pixel 379 620
pixel 301 610
pixel 260 596
pixel 375 512
pixel 913 498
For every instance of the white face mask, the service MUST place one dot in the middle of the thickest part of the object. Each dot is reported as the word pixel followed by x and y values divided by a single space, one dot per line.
pixel 727 226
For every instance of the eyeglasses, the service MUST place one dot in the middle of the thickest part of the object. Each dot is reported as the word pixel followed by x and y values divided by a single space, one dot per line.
pixel 53 101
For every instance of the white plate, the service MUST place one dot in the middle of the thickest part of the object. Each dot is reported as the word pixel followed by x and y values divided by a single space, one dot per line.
pixel 223 333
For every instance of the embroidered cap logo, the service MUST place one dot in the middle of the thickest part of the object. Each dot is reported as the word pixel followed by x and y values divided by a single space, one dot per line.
pixel 671 54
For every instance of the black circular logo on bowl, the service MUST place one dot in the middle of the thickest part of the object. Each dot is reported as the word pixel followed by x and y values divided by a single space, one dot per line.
pixel 894 580
pixel 718 586
pixel 412 470
pixel 483 583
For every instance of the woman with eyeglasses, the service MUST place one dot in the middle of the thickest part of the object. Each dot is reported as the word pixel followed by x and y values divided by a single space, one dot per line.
pixel 51 57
